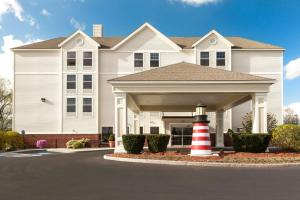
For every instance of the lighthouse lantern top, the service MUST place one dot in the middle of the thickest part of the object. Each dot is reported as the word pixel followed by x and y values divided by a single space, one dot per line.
pixel 201 109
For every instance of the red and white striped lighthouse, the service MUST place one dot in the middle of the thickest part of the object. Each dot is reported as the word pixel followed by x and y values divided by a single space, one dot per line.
pixel 201 145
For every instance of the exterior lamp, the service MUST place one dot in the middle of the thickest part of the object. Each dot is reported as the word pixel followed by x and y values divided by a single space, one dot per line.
pixel 43 99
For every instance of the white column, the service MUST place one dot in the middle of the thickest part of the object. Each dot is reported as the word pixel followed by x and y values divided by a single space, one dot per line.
pixel 219 128
pixel 259 113
pixel 120 120
pixel 136 123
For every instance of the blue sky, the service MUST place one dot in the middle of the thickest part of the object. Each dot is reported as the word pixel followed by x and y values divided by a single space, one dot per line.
pixel 270 21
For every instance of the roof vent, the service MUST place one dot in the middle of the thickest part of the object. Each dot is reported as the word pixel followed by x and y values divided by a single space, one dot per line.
pixel 97 30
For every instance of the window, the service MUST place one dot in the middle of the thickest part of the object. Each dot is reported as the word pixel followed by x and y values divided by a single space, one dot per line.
pixel 71 105
pixel 154 59
pixel 106 132
pixel 154 130
pixel 138 60
pixel 87 81
pixel 220 58
pixel 71 82
pixel 204 58
pixel 87 105
pixel 141 130
pixel 87 58
pixel 71 58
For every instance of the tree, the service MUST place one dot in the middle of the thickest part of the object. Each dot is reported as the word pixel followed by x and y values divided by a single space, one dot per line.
pixel 5 106
pixel 290 117
pixel 247 122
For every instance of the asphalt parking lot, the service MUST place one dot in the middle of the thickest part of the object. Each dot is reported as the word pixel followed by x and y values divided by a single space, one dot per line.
pixel 86 175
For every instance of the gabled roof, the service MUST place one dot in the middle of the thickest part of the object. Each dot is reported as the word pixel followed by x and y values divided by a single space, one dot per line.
pixel 183 42
pixel 210 33
pixel 184 71
pixel 76 33
pixel 147 25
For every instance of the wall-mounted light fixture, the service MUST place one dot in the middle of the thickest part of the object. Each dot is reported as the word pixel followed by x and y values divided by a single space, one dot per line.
pixel 43 99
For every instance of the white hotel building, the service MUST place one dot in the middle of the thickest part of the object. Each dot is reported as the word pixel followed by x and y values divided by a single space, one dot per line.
pixel 146 82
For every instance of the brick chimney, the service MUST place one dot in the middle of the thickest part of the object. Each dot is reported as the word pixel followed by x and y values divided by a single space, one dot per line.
pixel 97 30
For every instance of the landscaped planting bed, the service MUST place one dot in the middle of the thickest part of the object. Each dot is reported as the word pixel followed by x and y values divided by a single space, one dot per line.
pixel 240 157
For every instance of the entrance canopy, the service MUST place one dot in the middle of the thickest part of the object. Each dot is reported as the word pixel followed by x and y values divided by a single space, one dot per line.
pixel 181 86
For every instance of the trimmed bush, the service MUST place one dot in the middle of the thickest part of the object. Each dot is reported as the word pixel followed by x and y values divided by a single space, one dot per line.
pixel 287 137
pixel 41 144
pixel 133 143
pixel 12 141
pixel 254 143
pixel 157 143
pixel 77 144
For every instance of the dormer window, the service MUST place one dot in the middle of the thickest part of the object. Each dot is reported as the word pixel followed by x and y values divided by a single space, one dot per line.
pixel 204 58
pixel 71 58
pixel 138 60
pixel 221 58
pixel 154 59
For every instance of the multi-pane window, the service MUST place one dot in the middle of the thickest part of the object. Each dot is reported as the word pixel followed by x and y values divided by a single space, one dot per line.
pixel 154 130
pixel 154 59
pixel 87 58
pixel 71 81
pixel 204 58
pixel 87 105
pixel 71 58
pixel 87 81
pixel 138 60
pixel 221 58
pixel 71 105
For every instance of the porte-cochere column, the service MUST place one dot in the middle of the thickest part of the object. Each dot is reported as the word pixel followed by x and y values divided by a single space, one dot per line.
pixel 219 128
pixel 120 120
pixel 259 113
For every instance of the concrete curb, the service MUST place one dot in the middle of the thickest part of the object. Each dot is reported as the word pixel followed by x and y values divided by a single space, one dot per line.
pixel 202 164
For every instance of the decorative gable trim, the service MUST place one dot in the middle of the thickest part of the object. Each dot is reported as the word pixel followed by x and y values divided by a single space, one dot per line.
pixel 76 33
pixel 210 33
pixel 162 36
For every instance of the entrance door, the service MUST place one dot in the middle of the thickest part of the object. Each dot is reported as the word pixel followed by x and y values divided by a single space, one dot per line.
pixel 181 135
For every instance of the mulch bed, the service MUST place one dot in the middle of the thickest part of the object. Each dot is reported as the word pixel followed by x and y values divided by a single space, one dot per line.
pixel 226 158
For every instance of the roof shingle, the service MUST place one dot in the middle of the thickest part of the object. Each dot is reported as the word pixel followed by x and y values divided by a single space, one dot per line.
pixel 183 42
pixel 189 72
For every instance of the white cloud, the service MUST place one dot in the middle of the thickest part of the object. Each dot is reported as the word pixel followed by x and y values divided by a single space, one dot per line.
pixel 292 69
pixel 76 24
pixel 196 3
pixel 45 13
pixel 295 107
pixel 11 6
pixel 6 56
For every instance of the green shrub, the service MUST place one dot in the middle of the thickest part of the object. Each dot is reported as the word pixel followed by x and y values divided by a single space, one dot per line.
pixel 255 143
pixel 111 137
pixel 133 143
pixel 247 122
pixel 1 140
pixel 12 140
pixel 287 136
pixel 157 143
pixel 77 144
